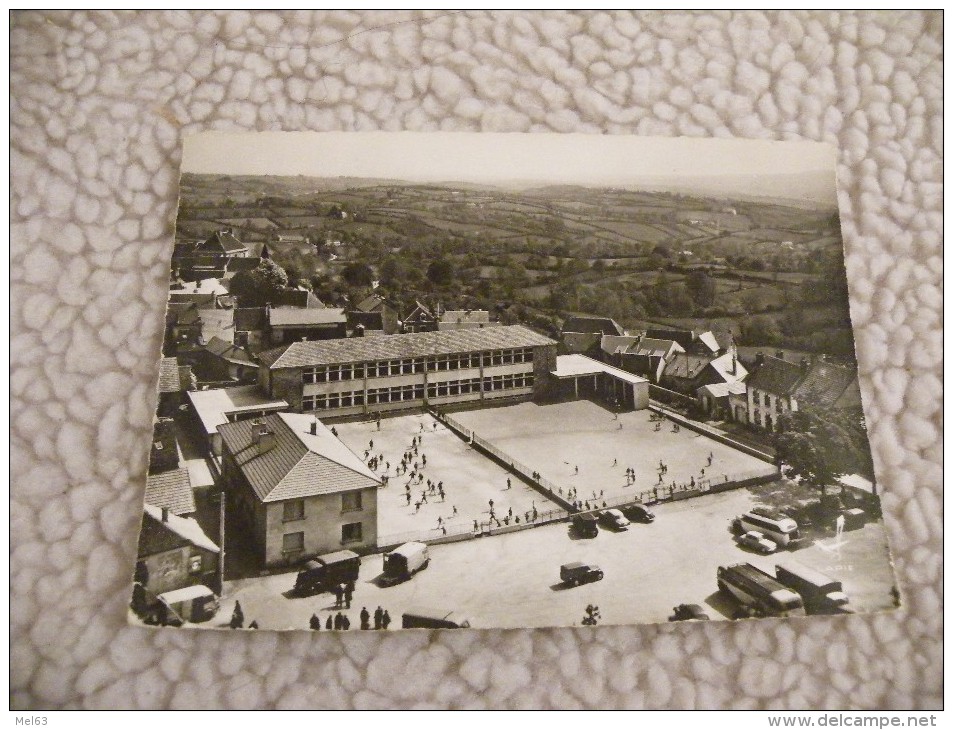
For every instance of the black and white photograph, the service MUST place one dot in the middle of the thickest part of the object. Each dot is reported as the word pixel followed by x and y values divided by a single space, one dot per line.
pixel 470 381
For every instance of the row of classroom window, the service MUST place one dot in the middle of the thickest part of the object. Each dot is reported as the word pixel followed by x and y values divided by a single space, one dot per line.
pixel 407 366
pixel 416 392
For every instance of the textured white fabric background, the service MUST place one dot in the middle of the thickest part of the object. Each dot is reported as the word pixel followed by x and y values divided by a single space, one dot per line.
pixel 100 104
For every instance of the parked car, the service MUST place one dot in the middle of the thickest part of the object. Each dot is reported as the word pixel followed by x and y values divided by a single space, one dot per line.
pixel 402 562
pixel 615 519
pixel 433 618
pixel 688 612
pixel 327 571
pixel 638 513
pixel 585 525
pixel 578 573
pixel 756 541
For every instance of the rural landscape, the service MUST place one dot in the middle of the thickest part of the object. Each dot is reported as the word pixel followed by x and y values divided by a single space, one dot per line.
pixel 770 272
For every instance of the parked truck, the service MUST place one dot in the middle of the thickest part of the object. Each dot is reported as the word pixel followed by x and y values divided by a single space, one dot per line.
pixel 327 571
pixel 821 594
pixel 402 562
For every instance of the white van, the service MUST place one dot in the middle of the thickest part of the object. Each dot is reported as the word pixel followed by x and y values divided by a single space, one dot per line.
pixel 402 562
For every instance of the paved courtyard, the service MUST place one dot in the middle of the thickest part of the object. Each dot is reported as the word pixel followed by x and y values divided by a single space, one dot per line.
pixel 555 439
pixel 470 480
pixel 512 580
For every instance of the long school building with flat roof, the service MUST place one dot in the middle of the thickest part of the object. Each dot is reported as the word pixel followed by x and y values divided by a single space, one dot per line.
pixel 374 374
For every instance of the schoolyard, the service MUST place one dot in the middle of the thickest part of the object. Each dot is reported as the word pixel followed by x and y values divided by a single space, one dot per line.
pixel 582 446
pixel 470 480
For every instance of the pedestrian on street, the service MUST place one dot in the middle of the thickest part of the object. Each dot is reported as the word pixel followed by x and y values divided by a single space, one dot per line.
pixel 329 624
pixel 443 495
pixel 370 444
pixel 385 620
pixel 510 513
pixel 365 619
pixel 416 505
pixel 315 622
pixel 423 497
pixel 509 483
pixel 378 424
pixel 454 507
pixel 476 526
pixel 348 592
pixel 577 468
pixel 345 623
pixel 338 595
pixel 615 462
pixel 423 459
pixel 378 617
pixel 338 621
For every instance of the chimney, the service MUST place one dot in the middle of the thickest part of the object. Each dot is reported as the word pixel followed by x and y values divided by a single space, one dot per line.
pixel 314 426
pixel 734 364
pixel 263 438
pixel 759 359
pixel 165 514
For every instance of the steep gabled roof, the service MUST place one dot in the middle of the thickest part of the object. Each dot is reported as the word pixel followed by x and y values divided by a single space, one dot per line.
pixel 709 341
pixel 228 351
pixel 776 376
pixel 611 344
pixel 729 368
pixel 393 347
pixel 248 319
pixel 157 536
pixel 224 242
pixel 374 303
pixel 682 337
pixel 171 489
pixel 602 325
pixel 420 313
pixel 655 347
pixel 684 365
pixel 297 298
pixel 299 464
pixel 169 376
pixel 182 313
pixel 824 384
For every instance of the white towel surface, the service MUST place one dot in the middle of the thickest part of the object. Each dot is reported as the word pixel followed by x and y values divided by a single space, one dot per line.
pixel 100 104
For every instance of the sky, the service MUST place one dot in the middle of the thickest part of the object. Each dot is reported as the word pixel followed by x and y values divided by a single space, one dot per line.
pixel 493 158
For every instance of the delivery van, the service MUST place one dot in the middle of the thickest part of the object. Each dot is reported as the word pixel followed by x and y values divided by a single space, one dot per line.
pixel 194 604
pixel 434 618
pixel 402 562
pixel 327 571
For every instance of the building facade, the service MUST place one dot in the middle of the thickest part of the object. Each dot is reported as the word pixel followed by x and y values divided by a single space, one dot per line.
pixel 296 490
pixel 369 375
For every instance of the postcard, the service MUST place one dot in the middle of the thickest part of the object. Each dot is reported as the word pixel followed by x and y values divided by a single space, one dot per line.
pixel 443 381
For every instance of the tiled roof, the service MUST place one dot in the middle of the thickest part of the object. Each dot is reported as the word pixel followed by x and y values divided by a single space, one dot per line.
pixel 420 314
pixel 416 344
pixel 228 351
pixel 297 298
pixel 249 318
pixel 682 337
pixel 182 313
pixel 602 325
pixel 300 464
pixel 171 489
pixel 824 383
pixel 373 303
pixel 578 342
pixel 776 376
pixel 655 346
pixel 612 344
pixel 169 380
pixel 683 365
pixel 222 241
pixel 157 536
pixel 708 339
pixel 723 390
pixel 298 317
pixel 242 263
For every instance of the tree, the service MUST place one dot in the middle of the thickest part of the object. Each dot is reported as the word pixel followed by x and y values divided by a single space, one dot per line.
pixel 761 329
pixel 358 274
pixel 815 446
pixel 440 272
pixel 701 288
pixel 261 285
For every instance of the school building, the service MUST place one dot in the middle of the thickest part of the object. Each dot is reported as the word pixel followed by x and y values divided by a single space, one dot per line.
pixel 364 375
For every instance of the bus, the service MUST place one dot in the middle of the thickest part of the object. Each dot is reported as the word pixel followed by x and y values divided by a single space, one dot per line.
pixel 821 593
pixel 773 525
pixel 758 593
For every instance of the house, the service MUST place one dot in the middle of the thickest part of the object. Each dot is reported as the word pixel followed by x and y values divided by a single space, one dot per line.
pixel 302 298
pixel 174 380
pixel 222 244
pixel 458 319
pixel 375 303
pixel 365 324
pixel 685 372
pixel 237 264
pixel 716 399
pixel 218 406
pixel 219 361
pixel 777 386
pixel 294 324
pixel 250 325
pixel 183 327
pixel 296 489
pixel 602 325
pixel 420 319
pixel 696 342
pixel 361 375
pixel 647 356
pixel 171 490
pixel 173 553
